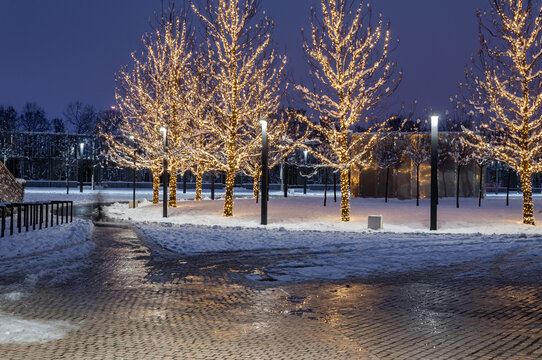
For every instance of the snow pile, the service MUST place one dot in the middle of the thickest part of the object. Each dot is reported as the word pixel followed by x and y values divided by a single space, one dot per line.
pixel 35 242
pixel 16 330
pixel 49 256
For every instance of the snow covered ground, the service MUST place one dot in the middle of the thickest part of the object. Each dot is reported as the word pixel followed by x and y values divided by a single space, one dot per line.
pixel 301 213
pixel 316 245
pixel 48 256
pixel 319 246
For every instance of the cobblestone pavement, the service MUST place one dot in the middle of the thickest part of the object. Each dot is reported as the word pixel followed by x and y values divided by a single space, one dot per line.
pixel 140 302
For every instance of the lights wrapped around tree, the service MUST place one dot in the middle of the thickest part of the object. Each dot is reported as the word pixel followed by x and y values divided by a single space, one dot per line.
pixel 148 98
pixel 245 80
pixel 350 62
pixel 505 90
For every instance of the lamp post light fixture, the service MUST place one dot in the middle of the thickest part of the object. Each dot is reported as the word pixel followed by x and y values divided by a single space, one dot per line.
pixel 264 186
pixel 434 168
pixel 81 148
pixel 305 152
pixel 165 173
pixel 132 138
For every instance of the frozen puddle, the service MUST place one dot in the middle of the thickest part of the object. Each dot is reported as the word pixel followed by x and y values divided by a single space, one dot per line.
pixel 15 330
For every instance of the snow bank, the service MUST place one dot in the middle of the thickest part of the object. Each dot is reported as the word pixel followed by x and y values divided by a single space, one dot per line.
pixel 35 242
pixel 49 256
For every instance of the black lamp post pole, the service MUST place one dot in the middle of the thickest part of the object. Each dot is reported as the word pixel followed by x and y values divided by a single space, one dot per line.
pixel 81 148
pixel 305 177
pixel 165 174
pixel 264 172
pixel 133 174
pixel 434 167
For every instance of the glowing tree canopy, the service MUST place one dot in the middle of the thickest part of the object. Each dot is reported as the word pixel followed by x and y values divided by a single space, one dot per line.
pixel 245 79
pixel 148 99
pixel 505 89
pixel 350 62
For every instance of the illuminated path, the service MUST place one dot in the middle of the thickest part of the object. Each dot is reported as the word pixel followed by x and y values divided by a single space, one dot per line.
pixel 137 303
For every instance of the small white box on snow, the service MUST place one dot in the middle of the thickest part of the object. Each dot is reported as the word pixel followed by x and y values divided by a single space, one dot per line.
pixel 375 222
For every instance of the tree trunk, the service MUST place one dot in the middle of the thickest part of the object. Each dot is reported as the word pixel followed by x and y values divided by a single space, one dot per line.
pixel 155 186
pixel 199 181
pixel 417 184
pixel 480 190
pixel 334 186
pixel 67 180
pixel 184 182
pixel 457 186
pixel 286 179
pixel 256 187
pixel 173 189
pixel 325 186
pixel 508 187
pixel 526 187
pixel 345 199
pixel 256 184
pixel 230 178
pixel 212 185
pixel 387 180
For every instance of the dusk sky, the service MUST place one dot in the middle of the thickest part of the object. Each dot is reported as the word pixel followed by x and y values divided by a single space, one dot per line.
pixel 57 52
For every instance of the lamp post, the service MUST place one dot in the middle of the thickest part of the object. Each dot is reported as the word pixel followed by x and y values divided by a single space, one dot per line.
pixel 434 167
pixel 81 148
pixel 305 152
pixel 132 138
pixel 165 174
pixel 264 172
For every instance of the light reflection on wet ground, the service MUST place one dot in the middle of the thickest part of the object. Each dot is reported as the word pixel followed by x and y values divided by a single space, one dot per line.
pixel 136 302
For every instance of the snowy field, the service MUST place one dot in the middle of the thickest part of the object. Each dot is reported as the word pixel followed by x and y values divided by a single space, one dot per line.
pixel 301 213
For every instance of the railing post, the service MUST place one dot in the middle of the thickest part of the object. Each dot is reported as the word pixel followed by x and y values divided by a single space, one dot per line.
pixel 3 221
pixel 57 212
pixel 34 215
pixel 41 215
pixel 46 215
pixel 26 217
pixel 11 219
pixel 19 214
pixel 71 211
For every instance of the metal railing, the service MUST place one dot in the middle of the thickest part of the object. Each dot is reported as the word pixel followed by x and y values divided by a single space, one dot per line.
pixel 32 215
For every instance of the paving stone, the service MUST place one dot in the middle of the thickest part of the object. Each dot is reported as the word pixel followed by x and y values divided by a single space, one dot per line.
pixel 134 303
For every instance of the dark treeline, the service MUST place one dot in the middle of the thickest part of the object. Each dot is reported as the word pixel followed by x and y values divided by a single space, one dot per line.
pixel 77 118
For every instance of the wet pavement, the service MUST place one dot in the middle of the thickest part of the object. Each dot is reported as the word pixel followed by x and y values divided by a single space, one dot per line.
pixel 138 301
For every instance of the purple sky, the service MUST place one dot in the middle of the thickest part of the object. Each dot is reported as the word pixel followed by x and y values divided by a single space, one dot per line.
pixel 57 52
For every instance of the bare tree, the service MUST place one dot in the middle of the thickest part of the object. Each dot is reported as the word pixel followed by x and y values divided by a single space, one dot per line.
pixel 419 151
pixel 83 118
pixel 32 118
